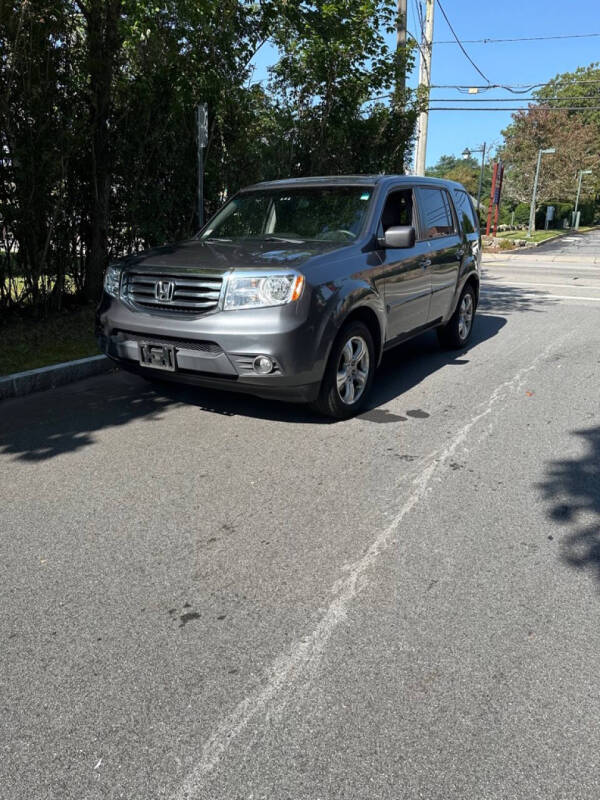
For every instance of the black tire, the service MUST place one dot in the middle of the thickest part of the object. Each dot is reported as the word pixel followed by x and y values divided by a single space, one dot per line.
pixel 454 334
pixel 359 373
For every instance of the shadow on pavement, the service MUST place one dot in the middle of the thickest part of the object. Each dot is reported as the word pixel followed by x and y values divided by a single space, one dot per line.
pixel 573 487
pixel 407 365
pixel 48 424
pixel 502 299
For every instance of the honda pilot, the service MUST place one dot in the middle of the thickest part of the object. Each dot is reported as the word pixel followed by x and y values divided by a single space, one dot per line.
pixel 295 288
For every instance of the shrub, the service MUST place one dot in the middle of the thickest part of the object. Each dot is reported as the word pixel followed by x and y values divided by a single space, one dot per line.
pixel 506 244
pixel 522 214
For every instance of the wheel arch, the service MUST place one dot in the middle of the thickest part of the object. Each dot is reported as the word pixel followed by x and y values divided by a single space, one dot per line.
pixel 368 316
pixel 472 280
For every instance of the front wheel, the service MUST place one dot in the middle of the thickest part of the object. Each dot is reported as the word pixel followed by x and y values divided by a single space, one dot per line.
pixel 349 373
pixel 457 331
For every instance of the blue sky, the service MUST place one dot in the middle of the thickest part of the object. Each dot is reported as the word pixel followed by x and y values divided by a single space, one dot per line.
pixel 508 63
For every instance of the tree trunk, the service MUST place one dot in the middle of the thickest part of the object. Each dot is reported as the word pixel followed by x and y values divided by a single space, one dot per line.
pixel 102 18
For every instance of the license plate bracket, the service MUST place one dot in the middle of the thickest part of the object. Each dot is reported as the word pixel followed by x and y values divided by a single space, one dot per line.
pixel 157 356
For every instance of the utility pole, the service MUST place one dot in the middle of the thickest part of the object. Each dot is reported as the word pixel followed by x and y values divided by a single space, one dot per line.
pixel 541 152
pixel 424 84
pixel 400 93
pixel 401 49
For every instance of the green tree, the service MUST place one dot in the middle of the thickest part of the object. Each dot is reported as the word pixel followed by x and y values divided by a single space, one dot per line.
pixel 579 89
pixel 335 64
pixel 447 163
pixel 465 171
pixel 541 128
pixel 97 120
pixel 41 130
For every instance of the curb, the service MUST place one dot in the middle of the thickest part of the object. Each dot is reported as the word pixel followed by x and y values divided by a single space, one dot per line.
pixel 35 380
pixel 533 245
pixel 528 246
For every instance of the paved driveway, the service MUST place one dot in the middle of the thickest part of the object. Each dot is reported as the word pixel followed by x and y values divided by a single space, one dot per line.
pixel 206 596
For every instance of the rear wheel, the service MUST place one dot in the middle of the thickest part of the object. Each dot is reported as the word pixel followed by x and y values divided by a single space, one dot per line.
pixel 457 331
pixel 349 373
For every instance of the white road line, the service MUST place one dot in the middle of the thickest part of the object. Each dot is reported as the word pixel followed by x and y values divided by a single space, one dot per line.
pixel 539 266
pixel 543 258
pixel 508 282
pixel 546 296
pixel 296 669
pixel 543 270
pixel 570 297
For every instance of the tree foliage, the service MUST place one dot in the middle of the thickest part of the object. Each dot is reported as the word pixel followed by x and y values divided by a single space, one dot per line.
pixel 574 134
pixel 465 171
pixel 579 89
pixel 97 120
pixel 542 128
pixel 335 65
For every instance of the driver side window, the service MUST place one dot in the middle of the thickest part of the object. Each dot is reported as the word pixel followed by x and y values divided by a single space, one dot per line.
pixel 398 210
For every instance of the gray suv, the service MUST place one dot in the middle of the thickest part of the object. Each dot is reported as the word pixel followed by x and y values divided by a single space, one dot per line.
pixel 295 288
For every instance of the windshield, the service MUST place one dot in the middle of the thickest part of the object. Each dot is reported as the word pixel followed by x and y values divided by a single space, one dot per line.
pixel 320 213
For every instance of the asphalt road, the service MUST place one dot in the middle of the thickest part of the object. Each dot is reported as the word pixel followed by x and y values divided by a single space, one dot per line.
pixel 222 598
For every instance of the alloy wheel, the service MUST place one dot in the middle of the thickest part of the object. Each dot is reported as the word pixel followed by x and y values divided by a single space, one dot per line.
pixel 353 370
pixel 465 316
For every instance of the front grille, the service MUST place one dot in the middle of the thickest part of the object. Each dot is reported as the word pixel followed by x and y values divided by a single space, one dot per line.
pixel 175 341
pixel 189 293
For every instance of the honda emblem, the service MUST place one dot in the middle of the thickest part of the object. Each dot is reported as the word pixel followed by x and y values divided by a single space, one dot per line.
pixel 163 291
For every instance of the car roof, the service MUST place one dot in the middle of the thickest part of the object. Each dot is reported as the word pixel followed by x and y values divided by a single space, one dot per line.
pixel 353 180
pixel 319 180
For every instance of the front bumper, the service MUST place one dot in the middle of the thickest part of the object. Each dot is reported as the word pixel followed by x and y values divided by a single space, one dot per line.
pixel 217 350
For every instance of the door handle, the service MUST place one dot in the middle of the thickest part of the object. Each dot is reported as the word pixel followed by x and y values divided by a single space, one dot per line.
pixel 425 262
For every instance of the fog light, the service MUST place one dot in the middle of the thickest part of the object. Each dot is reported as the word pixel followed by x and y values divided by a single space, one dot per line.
pixel 263 365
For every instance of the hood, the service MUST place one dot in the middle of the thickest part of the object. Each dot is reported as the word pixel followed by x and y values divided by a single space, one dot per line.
pixel 194 254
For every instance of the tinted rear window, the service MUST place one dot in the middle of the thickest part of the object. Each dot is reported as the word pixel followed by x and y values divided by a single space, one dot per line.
pixel 465 211
pixel 436 213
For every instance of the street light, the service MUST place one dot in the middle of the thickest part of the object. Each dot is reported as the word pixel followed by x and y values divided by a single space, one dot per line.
pixel 582 172
pixel 541 153
pixel 466 153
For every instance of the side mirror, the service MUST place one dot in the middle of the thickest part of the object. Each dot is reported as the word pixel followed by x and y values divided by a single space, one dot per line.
pixel 399 236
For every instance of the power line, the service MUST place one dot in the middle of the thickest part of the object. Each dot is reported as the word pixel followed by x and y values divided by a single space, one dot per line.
pixel 519 89
pixel 424 84
pixel 491 100
pixel 539 100
pixel 416 41
pixel 538 104
pixel 522 39
pixel 459 43
pixel 418 12
pixel 515 108
pixel 509 86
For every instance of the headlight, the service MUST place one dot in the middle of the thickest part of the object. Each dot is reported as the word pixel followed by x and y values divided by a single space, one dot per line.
pixel 112 280
pixel 259 291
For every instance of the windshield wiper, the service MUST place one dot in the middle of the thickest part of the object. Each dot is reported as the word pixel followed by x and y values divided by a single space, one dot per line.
pixel 271 238
pixel 213 239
